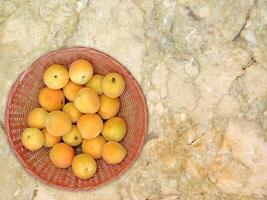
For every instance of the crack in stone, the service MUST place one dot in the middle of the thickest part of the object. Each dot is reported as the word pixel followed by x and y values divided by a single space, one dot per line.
pixel 197 139
pixel 244 68
pixel 75 29
pixel 249 64
pixel 34 194
pixel 192 14
pixel 246 21
pixel 77 22
pixel 138 6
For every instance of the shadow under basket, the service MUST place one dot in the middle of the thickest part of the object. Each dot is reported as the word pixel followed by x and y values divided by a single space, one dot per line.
pixel 23 97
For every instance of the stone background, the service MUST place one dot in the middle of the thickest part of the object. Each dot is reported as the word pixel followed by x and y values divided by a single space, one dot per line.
pixel 202 65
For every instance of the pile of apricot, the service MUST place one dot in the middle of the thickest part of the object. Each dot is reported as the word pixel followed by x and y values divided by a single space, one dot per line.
pixel 78 110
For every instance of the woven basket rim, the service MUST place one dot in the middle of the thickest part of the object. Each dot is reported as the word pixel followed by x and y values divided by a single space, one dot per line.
pixel 13 90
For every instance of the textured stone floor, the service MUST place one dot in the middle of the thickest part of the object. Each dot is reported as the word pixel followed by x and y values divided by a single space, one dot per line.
pixel 202 65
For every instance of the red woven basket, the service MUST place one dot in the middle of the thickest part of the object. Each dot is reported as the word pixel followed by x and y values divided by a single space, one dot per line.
pixel 23 98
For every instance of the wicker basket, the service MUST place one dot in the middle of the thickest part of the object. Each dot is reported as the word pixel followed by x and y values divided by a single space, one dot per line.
pixel 23 98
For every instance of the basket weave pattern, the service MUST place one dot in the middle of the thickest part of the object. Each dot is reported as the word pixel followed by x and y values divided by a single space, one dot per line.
pixel 23 98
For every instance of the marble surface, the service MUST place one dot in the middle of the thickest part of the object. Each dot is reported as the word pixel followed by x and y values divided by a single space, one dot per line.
pixel 202 65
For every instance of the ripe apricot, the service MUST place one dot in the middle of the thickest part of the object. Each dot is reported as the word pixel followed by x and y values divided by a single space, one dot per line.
pixel 113 152
pixel 61 155
pixel 56 76
pixel 90 125
pixel 72 111
pixel 81 71
pixel 71 89
pixel 51 99
pixel 58 123
pixel 87 101
pixel 113 85
pixel 93 147
pixel 36 118
pixel 108 107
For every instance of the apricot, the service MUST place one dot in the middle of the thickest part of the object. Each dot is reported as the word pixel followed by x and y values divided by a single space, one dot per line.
pixel 61 155
pixel 93 147
pixel 108 107
pixel 51 99
pixel 113 85
pixel 72 111
pixel 56 76
pixel 114 129
pixel 113 152
pixel 36 118
pixel 71 89
pixel 96 83
pixel 50 140
pixel 87 101
pixel 32 139
pixel 90 125
pixel 74 137
pixel 58 123
pixel 81 71
pixel 83 166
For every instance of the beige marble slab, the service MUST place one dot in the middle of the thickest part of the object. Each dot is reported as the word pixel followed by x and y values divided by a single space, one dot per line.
pixel 202 65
